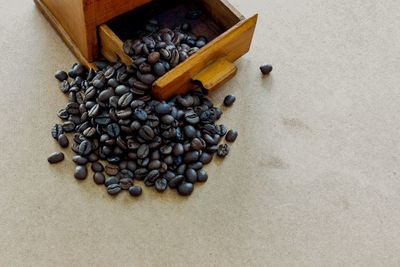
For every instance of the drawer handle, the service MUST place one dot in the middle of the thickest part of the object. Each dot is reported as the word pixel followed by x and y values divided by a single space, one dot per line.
pixel 215 75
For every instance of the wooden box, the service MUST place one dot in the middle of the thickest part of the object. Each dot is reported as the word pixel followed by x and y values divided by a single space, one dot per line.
pixel 97 28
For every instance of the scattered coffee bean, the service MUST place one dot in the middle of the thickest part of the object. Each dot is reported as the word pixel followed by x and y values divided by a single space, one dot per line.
pixel 61 75
pixel 223 150
pixel 135 191
pixel 161 184
pixel 229 100
pixel 113 189
pixel 97 167
pixel 99 178
pixel 111 180
pixel 55 157
pixel 111 169
pixel 80 172
pixel 185 189
pixel 63 140
pixel 231 135
pixel 202 176
pixel 79 160
pixel 56 131
pixel 266 69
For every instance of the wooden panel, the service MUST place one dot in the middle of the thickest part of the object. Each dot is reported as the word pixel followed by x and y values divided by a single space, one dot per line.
pixel 223 12
pixel 215 75
pixel 108 9
pixel 231 45
pixel 112 46
pixel 61 31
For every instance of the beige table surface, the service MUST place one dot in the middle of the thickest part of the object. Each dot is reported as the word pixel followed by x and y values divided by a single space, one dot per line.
pixel 313 179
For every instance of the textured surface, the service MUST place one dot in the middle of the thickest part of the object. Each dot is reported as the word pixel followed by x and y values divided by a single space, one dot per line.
pixel 313 178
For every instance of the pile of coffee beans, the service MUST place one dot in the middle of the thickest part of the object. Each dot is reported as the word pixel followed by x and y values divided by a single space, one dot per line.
pixel 160 50
pixel 128 136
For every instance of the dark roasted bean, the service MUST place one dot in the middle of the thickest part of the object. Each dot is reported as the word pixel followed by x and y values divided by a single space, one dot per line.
pixel 113 189
pixel 191 175
pixel 202 176
pixel 266 69
pixel 111 180
pixel 231 135
pixel 111 169
pixel 161 184
pixel 63 140
pixel 85 148
pixel 185 189
pixel 56 131
pixel 97 167
pixel 229 100
pixel 99 178
pixel 135 191
pixel 55 157
pixel 79 160
pixel 80 172
pixel 223 150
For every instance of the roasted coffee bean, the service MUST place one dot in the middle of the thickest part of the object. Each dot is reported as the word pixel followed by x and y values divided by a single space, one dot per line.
pixel 63 140
pixel 151 177
pixel 140 114
pixel 202 176
pixel 72 108
pixel 121 90
pixel 61 75
pixel 154 165
pixel 191 117
pixel 93 157
pixel 131 166
pixel 161 184
pixel 135 191
pixel 176 181
pixel 99 178
pixel 205 158
pixel 56 131
pixel 185 189
pixel 111 180
pixel 63 114
pixel 191 175
pixel 85 148
pixel 231 135
pixel 146 78
pixel 68 126
pixel 111 169
pixel 79 160
pixel 80 172
pixel 197 144
pixel 153 58
pixel 113 189
pixel 190 131
pixel 105 95
pixel 222 130
pixel 125 183
pixel 181 169
pixel 166 150
pixel 196 165
pixel 143 151
pixel 113 130
pixel 192 156
pixel 178 149
pixel 266 69
pixel 229 100
pixel 186 27
pixel 94 111
pixel 223 150
pixel 163 108
pixel 146 133
pixel 55 157
pixel 97 167
pixel 64 86
pixel 125 100
pixel 159 69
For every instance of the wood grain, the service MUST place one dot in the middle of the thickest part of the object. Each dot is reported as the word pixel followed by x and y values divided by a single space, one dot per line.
pixel 231 45
pixel 216 74
pixel 62 32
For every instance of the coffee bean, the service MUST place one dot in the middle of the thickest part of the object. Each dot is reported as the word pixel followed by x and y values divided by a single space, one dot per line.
pixel 140 114
pixel 229 100
pixel 93 157
pixel 191 156
pixel 111 169
pixel 159 69
pixel 185 189
pixel 266 69
pixel 56 131
pixel 111 180
pixel 143 151
pixel 186 27
pixel 154 165
pixel 202 176
pixel 125 183
pixel 121 90
pixel 176 181
pixel 135 191
pixel 68 126
pixel 146 133
pixel 113 189
pixel 205 158
pixel 80 172
pixel 190 131
pixel 99 178
pixel 198 144
pixel 151 177
pixel 166 150
pixel 161 184
pixel 97 167
pixel 113 130
pixel 222 130
pixel 146 78
pixel 163 108
pixel 191 117
pixel 55 157
pixel 61 75
pixel 223 150
pixel 191 175
pixel 85 148
pixel 153 57
pixel 63 140
pixel 195 166
pixel 231 135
